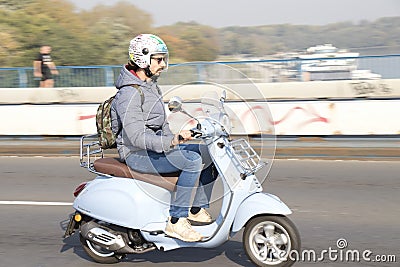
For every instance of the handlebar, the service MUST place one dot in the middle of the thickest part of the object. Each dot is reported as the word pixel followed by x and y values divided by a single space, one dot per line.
pixel 196 133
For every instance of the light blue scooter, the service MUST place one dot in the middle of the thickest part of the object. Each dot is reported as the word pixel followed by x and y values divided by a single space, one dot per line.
pixel 117 215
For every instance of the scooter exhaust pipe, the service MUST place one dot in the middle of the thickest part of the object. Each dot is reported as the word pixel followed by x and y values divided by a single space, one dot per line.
pixel 93 232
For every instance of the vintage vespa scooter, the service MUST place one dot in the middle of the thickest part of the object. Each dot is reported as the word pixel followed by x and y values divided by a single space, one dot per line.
pixel 117 215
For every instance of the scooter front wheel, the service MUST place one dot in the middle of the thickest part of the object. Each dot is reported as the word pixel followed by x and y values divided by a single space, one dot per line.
pixel 271 240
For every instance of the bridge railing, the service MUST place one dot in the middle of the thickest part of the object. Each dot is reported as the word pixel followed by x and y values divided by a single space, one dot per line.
pixel 274 70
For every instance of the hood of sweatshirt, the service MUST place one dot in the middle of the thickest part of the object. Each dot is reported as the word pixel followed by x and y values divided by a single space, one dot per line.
pixel 127 78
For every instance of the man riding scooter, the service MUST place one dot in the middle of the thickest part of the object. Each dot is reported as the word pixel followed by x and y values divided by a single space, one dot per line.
pixel 117 215
pixel 146 144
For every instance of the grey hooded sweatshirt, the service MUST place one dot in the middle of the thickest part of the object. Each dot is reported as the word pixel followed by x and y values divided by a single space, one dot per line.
pixel 139 127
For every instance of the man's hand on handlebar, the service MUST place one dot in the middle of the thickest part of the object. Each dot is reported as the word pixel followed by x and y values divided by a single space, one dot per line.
pixel 182 137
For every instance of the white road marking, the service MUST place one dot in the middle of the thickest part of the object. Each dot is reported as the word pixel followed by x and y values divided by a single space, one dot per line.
pixel 35 203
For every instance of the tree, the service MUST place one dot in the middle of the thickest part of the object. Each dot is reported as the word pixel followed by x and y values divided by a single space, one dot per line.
pixel 110 29
pixel 196 42
pixel 101 36
pixel 14 4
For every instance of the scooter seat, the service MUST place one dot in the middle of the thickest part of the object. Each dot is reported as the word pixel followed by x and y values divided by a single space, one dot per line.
pixel 114 167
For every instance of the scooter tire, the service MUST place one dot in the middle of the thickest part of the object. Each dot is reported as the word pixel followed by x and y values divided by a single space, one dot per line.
pixel 253 233
pixel 99 256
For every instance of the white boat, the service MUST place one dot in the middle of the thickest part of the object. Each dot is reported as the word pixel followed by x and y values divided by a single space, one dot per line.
pixel 328 51
pixel 327 62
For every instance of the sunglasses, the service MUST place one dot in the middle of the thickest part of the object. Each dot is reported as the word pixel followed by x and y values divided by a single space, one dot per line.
pixel 159 59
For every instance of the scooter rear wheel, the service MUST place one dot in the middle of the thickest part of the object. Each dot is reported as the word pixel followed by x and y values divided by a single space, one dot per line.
pixel 271 240
pixel 98 253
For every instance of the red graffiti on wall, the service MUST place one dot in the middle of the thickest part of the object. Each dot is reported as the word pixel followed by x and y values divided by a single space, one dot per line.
pixel 87 117
pixel 309 110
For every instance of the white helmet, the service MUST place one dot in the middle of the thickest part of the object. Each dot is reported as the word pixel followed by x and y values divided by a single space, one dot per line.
pixel 143 46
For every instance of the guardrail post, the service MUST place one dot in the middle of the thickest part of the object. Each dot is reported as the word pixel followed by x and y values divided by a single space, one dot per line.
pixel 109 76
pixel 22 77
pixel 200 72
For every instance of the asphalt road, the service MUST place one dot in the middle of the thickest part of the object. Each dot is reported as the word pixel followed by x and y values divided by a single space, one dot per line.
pixel 383 148
pixel 353 200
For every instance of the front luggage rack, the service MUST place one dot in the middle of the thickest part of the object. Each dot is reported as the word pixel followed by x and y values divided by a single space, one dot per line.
pixel 246 156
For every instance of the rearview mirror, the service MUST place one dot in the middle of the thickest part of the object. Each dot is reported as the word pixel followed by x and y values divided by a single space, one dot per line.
pixel 175 104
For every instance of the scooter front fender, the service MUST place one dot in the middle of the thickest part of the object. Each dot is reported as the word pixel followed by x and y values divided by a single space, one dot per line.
pixel 257 204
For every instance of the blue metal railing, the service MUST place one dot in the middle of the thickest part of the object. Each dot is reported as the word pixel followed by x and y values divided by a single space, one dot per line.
pixel 275 70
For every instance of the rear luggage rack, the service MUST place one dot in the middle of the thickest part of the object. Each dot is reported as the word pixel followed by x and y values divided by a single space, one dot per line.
pixel 90 150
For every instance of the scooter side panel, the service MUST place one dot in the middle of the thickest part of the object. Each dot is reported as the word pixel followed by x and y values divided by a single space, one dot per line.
pixel 125 202
pixel 256 204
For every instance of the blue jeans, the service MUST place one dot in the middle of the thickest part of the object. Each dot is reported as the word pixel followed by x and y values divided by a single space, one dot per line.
pixel 187 158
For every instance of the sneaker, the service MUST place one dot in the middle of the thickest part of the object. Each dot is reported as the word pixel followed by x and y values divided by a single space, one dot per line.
pixel 201 217
pixel 182 230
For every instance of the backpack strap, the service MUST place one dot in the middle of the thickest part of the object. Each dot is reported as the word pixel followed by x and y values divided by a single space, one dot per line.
pixel 140 92
pixel 137 88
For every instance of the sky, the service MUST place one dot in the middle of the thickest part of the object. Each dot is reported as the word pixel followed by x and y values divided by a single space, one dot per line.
pixel 223 13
